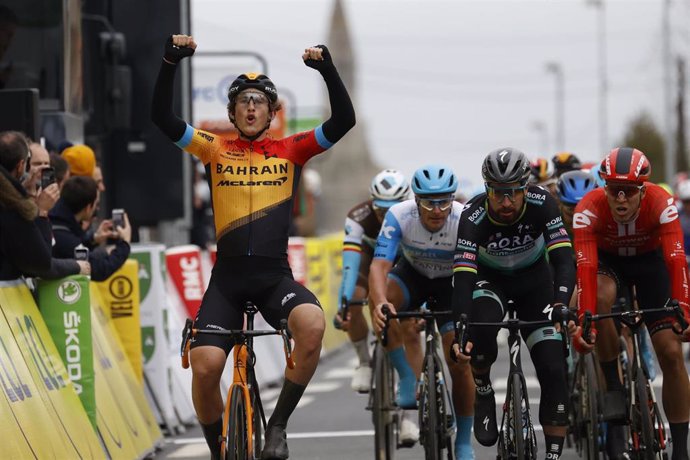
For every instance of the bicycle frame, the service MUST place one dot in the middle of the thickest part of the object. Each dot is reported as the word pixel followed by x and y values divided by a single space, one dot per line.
pixel 244 377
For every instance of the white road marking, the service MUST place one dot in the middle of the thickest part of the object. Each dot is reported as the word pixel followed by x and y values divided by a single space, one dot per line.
pixel 322 387
pixel 340 373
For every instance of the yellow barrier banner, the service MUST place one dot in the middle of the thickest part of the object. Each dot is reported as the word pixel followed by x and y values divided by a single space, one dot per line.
pixel 116 350
pixel 120 295
pixel 43 401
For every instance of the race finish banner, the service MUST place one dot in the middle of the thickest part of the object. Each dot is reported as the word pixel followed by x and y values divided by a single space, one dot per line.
pixel 133 426
pixel 184 269
pixel 120 294
pixel 42 400
pixel 153 315
pixel 66 308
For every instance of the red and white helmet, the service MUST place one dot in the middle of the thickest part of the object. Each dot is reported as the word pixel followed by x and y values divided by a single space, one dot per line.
pixel 625 164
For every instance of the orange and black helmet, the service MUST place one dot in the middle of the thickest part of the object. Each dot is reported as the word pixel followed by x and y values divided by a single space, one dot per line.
pixel 625 164
pixel 564 162
pixel 256 81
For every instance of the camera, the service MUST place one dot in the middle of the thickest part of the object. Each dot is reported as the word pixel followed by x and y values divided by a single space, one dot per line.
pixel 81 252
pixel 118 218
pixel 47 177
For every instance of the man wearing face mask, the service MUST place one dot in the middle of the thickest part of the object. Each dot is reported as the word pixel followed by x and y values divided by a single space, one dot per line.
pixel 502 241
pixel 627 234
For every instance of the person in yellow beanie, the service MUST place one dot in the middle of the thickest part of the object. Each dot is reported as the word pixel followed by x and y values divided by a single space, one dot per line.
pixel 81 160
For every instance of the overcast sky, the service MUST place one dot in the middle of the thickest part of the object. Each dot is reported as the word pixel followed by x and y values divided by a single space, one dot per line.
pixel 449 81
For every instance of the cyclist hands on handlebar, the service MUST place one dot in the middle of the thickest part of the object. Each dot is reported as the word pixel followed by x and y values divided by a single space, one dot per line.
pixel 379 319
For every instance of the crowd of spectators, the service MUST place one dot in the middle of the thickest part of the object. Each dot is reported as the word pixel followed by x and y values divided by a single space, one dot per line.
pixel 48 203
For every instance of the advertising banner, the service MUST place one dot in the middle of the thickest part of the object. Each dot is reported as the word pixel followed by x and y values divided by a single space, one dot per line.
pixel 184 270
pixel 120 294
pixel 153 316
pixel 40 394
pixel 125 420
pixel 66 308
pixel 297 258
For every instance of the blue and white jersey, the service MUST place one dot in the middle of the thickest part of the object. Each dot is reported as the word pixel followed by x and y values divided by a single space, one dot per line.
pixel 431 254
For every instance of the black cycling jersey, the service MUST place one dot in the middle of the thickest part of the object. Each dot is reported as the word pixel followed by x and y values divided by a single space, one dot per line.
pixel 485 245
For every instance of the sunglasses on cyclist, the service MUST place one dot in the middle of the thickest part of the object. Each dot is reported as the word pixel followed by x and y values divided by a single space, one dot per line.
pixel 620 190
pixel 497 193
pixel 257 98
pixel 429 204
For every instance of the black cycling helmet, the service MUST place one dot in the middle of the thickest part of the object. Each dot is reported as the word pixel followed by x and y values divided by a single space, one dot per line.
pixel 257 81
pixel 564 162
pixel 506 165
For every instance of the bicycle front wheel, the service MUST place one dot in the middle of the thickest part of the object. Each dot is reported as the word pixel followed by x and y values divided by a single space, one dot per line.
pixel 589 406
pixel 644 429
pixel 236 439
pixel 257 423
pixel 519 425
pixel 429 415
pixel 383 407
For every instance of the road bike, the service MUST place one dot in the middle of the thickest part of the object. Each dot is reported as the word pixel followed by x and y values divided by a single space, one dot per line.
pixel 648 437
pixel 436 414
pixel 243 417
pixel 516 437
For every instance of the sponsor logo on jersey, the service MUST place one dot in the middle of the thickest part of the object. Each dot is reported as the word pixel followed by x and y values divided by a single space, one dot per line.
pixel 555 222
pixel 386 230
pixel 505 242
pixel 281 168
pixel 299 137
pixel 468 256
pixel 477 215
pixel 668 215
pixel 466 244
pixel 251 183
pixel 536 196
pixel 582 219
pixel 206 136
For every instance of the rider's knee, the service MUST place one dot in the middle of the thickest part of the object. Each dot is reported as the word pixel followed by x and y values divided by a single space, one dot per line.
pixel 208 364
pixel 606 293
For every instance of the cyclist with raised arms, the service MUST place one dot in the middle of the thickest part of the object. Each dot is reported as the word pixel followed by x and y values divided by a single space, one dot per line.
pixel 362 225
pixel 502 241
pixel 628 234
pixel 253 180
pixel 425 229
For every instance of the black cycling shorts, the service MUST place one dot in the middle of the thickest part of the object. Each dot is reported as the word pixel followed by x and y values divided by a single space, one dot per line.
pixel 267 282
pixel 649 275
pixel 417 289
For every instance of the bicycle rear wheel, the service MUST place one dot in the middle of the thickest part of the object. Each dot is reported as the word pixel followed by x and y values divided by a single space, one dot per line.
pixel 236 442
pixel 383 410
pixel 429 416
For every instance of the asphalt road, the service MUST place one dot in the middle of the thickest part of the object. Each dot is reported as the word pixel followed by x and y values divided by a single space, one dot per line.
pixel 331 421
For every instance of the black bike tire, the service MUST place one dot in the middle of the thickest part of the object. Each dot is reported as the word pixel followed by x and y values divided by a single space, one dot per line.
pixel 236 437
pixel 257 425
pixel 384 435
pixel 592 433
pixel 645 415
pixel 428 397
pixel 516 411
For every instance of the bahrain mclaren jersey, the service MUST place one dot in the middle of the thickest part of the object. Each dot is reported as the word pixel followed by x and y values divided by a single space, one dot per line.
pixel 252 187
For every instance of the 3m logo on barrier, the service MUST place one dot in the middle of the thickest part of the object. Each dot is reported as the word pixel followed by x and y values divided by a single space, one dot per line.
pixel 121 288
pixel 69 292
pixel 11 382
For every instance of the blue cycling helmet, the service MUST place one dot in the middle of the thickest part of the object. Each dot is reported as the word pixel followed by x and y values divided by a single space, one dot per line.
pixel 434 180
pixel 573 185
pixel 594 171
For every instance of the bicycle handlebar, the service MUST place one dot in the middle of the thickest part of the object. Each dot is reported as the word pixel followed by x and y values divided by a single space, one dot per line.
pixel 632 317
pixel 189 332
pixel 425 314
pixel 343 310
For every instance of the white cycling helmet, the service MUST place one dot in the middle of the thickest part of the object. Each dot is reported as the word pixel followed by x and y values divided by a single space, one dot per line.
pixel 683 191
pixel 389 187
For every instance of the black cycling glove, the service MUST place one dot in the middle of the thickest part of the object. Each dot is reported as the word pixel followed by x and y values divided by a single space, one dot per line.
pixel 175 54
pixel 324 64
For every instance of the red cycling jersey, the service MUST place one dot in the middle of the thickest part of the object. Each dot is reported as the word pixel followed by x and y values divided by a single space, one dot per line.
pixel 656 225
